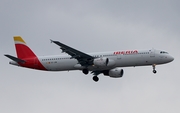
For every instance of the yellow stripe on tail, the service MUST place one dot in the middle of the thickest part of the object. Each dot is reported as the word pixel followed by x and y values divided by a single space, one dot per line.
pixel 19 39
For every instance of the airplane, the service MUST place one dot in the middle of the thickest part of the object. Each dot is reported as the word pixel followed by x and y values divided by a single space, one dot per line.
pixel 107 63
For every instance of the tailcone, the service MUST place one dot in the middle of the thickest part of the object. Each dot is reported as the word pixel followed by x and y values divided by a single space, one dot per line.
pixel 14 63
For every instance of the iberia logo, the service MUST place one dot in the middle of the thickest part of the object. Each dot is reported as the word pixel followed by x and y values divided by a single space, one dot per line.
pixel 126 52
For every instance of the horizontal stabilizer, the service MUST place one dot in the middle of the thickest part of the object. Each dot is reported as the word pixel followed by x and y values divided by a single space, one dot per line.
pixel 15 59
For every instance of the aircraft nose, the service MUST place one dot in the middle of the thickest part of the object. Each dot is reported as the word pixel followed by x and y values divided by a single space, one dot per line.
pixel 171 58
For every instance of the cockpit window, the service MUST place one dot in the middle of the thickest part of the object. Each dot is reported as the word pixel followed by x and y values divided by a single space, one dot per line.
pixel 163 52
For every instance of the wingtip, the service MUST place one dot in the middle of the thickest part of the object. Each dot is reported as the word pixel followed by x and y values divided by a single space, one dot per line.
pixel 6 55
pixel 51 41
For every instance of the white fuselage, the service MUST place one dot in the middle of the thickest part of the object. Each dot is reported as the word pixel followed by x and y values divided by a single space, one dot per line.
pixel 121 59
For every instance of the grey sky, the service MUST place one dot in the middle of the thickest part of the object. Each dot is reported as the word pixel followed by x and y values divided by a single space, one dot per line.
pixel 90 26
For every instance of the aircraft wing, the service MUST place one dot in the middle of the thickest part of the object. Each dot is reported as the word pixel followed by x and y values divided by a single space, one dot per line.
pixel 83 58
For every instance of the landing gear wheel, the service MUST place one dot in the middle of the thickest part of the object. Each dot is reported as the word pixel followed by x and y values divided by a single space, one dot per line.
pixel 154 68
pixel 154 71
pixel 85 71
pixel 95 78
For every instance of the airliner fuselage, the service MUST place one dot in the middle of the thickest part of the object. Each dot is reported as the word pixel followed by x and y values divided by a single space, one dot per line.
pixel 65 62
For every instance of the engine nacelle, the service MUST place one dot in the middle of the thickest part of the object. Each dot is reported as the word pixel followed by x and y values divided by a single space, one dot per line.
pixel 116 73
pixel 103 61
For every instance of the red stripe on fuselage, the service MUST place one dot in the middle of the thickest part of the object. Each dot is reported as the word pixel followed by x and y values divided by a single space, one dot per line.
pixel 33 63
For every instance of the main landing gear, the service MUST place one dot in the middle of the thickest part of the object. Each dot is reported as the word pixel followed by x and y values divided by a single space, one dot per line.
pixel 85 71
pixel 154 68
pixel 95 78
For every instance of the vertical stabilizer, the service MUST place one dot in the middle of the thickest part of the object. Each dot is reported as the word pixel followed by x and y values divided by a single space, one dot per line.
pixel 22 50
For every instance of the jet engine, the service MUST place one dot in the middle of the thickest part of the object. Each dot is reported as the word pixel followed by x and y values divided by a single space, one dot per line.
pixel 116 73
pixel 103 61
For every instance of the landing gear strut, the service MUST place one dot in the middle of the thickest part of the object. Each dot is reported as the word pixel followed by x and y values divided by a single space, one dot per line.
pixel 154 68
pixel 85 71
pixel 95 78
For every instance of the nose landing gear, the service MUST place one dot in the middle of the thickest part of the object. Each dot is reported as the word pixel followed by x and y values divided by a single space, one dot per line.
pixel 154 68
pixel 154 71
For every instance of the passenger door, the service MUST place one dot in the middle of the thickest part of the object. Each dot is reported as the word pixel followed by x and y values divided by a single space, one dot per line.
pixel 152 53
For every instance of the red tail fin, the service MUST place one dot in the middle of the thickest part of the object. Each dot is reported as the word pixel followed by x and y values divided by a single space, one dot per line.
pixel 22 50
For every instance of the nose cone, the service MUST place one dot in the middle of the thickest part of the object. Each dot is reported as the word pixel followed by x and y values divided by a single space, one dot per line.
pixel 170 58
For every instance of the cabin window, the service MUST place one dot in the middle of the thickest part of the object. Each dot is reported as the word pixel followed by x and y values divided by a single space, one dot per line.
pixel 163 52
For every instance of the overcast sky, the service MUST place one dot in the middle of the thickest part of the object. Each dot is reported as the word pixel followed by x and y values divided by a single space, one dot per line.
pixel 90 26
